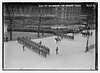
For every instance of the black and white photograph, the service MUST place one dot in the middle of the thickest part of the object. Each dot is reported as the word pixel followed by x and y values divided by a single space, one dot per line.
pixel 49 36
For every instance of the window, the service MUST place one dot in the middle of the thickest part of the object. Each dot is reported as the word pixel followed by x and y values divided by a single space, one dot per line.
pixel 59 8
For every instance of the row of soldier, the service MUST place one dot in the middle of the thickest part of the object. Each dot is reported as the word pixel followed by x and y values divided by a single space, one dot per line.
pixel 37 47
pixel 66 36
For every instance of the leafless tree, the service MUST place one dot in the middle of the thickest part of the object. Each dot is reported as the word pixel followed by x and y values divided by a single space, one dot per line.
pixel 40 20
pixel 10 11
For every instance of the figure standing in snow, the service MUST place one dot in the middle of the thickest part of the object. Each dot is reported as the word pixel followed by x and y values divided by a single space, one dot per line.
pixel 56 50
pixel 23 48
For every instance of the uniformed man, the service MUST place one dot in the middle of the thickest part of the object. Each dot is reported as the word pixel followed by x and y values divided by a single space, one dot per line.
pixel 56 50
pixel 23 48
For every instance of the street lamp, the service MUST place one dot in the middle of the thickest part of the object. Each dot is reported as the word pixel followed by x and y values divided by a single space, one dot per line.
pixel 87 49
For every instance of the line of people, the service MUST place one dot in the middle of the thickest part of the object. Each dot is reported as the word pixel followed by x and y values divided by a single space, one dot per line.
pixel 86 33
pixel 37 47
pixel 66 36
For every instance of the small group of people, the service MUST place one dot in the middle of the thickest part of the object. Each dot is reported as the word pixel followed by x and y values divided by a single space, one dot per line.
pixel 28 38
pixel 56 48
pixel 57 39
pixel 86 33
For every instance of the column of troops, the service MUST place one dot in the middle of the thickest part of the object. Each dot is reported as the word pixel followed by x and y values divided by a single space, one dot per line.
pixel 36 47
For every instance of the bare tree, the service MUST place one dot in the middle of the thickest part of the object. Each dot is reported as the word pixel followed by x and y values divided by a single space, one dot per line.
pixel 10 10
pixel 40 19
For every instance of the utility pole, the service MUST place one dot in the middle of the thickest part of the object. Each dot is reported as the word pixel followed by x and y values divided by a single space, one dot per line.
pixel 87 49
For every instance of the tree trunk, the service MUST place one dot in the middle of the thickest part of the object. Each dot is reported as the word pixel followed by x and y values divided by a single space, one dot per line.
pixel 10 34
pixel 42 33
pixel 10 29
pixel 39 27
pixel 38 30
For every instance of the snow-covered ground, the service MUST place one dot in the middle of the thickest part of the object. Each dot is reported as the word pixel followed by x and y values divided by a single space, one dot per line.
pixel 71 54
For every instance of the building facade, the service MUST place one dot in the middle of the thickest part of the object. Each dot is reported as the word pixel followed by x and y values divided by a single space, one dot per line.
pixel 68 12
pixel 61 13
pixel 89 11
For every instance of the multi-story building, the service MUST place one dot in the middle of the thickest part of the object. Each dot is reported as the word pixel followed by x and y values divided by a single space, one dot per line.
pixel 68 12
pixel 89 11
pixel 64 13
pixel 34 10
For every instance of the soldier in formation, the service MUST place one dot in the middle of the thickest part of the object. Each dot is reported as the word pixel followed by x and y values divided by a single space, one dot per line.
pixel 56 50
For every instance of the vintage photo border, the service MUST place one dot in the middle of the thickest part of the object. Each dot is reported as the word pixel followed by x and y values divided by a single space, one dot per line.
pixel 96 39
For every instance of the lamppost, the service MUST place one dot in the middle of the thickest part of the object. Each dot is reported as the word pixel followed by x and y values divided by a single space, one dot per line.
pixel 87 49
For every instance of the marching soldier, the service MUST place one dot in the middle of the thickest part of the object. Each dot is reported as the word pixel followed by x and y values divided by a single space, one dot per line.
pixel 56 50
pixel 23 48
pixel 45 54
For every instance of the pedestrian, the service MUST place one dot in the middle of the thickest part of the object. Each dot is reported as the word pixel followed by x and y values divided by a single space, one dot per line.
pixel 56 50
pixel 23 48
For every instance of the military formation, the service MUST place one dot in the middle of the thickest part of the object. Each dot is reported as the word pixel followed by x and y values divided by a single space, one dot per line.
pixel 41 49
pixel 36 47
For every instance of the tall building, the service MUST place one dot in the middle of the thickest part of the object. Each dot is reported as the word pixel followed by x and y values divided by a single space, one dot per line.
pixel 61 13
pixel 89 11
pixel 68 12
